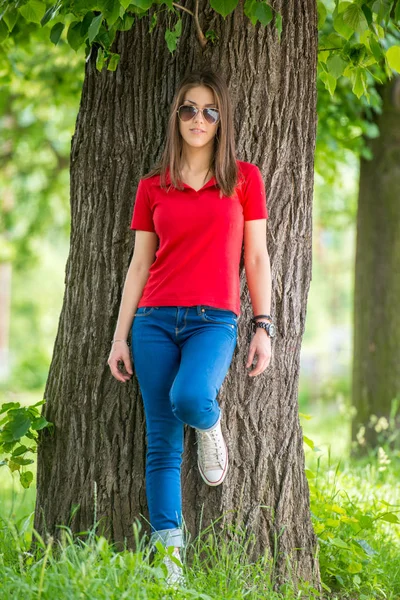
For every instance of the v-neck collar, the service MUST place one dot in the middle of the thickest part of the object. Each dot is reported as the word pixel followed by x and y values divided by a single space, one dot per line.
pixel 209 183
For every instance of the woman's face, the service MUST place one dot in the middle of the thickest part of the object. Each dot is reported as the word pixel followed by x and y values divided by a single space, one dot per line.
pixel 201 97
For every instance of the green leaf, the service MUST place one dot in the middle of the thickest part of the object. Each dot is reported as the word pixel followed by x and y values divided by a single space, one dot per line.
pixel 354 567
pixel 33 11
pixel 321 14
pixel 393 57
pixel 13 466
pixel 390 518
pixel 366 521
pixel 100 59
pixel 20 450
pixel 9 405
pixel 359 84
pixel 397 12
pixel 376 48
pixel 39 403
pixel 336 65
pixel 224 7
pixel 18 425
pixel 366 547
pixel 341 27
pixel 382 8
pixel 308 441
pixel 263 12
pixel 56 32
pixel 113 62
pixel 329 81
pixel 3 31
pixel 170 38
pixel 278 24
pixel 308 417
pixel 11 17
pixel 50 13
pixel 110 10
pixel 6 436
pixel 128 20
pixel 95 27
pixel 39 423
pixel 87 19
pixel 26 479
pixel 8 446
pixel 142 4
pixel 357 53
pixel 339 543
pixel 74 36
pixel 367 13
pixel 309 474
pixel 333 522
pixel 18 460
pixel 354 17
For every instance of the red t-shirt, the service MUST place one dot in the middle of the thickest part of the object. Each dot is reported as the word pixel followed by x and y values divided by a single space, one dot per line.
pixel 201 237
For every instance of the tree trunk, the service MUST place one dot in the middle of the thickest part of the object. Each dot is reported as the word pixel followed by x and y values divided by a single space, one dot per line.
pixel 99 423
pixel 376 373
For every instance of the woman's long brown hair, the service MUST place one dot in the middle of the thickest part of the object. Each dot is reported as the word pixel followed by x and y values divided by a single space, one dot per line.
pixel 223 163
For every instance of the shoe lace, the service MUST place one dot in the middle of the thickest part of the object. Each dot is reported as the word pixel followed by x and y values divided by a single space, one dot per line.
pixel 210 449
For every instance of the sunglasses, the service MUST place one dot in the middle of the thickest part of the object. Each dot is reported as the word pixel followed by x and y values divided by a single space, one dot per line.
pixel 187 112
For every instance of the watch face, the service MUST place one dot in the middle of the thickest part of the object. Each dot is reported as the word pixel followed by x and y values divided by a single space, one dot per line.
pixel 272 330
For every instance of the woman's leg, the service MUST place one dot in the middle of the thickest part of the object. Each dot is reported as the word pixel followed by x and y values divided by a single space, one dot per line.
pixel 156 360
pixel 207 352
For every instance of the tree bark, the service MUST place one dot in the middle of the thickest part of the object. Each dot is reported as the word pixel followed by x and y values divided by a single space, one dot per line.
pixel 99 434
pixel 376 346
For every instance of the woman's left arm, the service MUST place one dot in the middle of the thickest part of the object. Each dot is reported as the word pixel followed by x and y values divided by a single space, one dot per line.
pixel 258 276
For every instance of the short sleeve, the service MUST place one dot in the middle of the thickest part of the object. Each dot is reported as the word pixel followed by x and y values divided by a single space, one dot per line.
pixel 255 199
pixel 142 217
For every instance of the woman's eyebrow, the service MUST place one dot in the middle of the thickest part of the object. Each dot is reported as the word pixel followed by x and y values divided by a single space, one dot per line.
pixel 213 104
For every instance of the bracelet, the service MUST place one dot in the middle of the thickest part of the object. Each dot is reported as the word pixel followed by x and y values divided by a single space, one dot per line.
pixel 126 342
pixel 259 316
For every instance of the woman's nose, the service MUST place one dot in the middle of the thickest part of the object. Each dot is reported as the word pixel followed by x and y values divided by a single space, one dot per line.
pixel 199 117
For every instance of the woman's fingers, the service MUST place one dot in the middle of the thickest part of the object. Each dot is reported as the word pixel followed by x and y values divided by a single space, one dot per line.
pixel 263 361
pixel 118 361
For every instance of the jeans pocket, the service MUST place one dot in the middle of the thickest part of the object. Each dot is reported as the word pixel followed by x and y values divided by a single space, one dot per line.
pixel 144 311
pixel 219 315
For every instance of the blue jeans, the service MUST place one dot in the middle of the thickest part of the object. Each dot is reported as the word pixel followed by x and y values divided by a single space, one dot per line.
pixel 181 355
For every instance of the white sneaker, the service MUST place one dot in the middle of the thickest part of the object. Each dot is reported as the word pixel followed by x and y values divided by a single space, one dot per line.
pixel 212 454
pixel 175 572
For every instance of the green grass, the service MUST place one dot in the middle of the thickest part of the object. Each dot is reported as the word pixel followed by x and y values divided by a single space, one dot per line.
pixel 354 503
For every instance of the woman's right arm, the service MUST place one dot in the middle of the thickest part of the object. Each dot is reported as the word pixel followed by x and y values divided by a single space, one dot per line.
pixel 143 257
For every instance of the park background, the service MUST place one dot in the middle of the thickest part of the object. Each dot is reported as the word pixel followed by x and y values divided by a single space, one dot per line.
pixel 37 125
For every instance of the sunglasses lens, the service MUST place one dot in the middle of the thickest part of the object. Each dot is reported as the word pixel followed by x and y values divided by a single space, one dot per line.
pixel 211 115
pixel 186 113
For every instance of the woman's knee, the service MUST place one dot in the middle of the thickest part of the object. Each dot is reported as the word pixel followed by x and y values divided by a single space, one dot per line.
pixel 188 404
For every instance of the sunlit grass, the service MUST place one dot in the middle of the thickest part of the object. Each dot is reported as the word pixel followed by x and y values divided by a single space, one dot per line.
pixel 359 551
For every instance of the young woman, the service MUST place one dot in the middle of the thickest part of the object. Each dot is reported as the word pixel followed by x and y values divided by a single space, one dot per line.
pixel 182 292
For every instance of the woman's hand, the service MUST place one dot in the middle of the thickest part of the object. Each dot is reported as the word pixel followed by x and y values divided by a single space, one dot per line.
pixel 260 345
pixel 119 356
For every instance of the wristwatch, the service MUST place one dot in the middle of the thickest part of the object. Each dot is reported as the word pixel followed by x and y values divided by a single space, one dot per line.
pixel 269 328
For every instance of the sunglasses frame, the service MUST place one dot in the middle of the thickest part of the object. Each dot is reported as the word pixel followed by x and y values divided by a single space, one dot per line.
pixel 197 110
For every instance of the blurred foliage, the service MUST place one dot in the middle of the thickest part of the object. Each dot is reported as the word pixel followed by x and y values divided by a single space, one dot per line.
pixel 38 108
pixel 18 422
pixel 40 88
